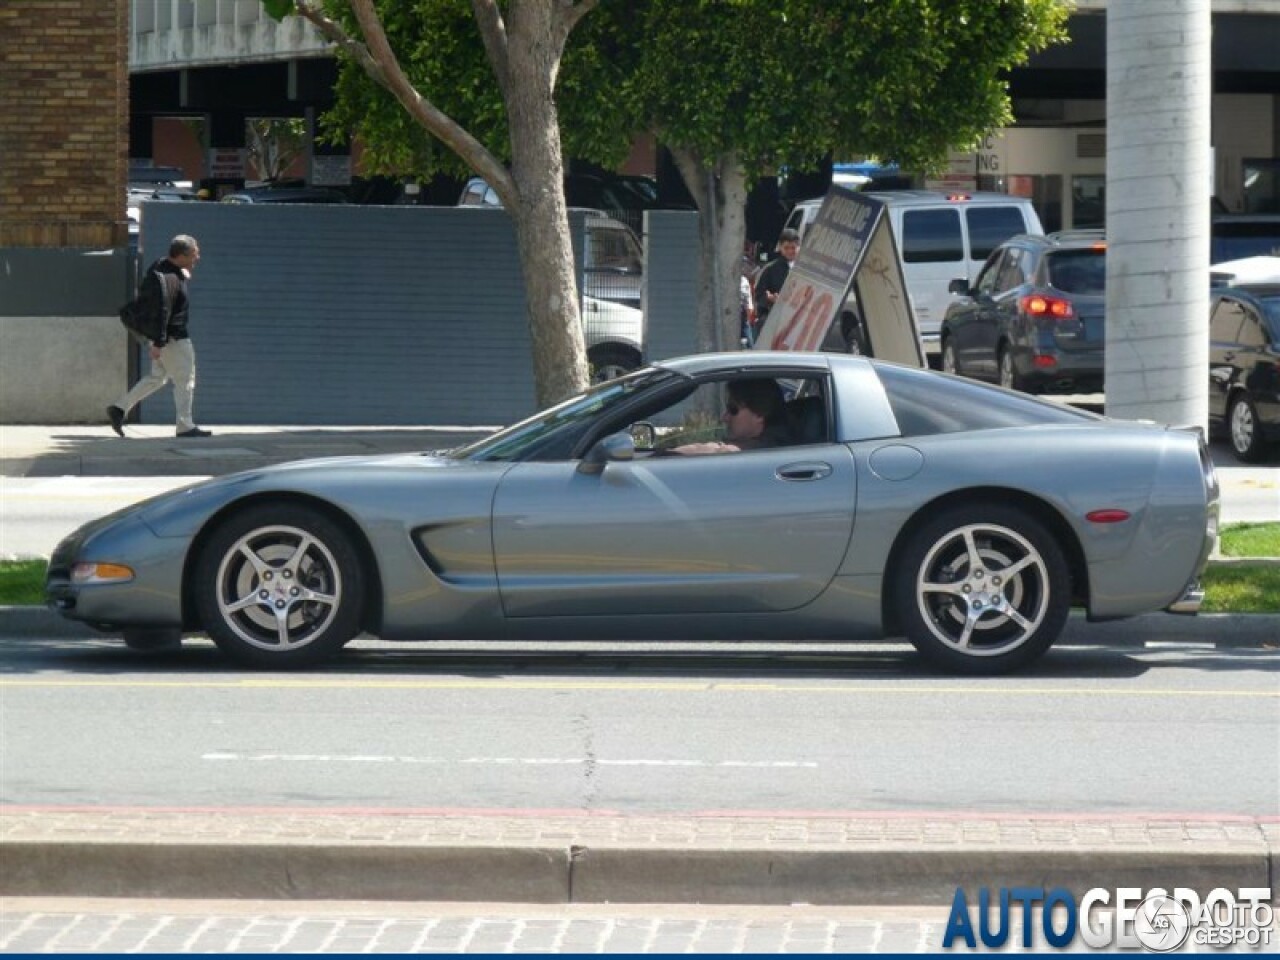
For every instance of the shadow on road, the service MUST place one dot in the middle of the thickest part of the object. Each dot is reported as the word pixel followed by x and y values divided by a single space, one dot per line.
pixel 199 659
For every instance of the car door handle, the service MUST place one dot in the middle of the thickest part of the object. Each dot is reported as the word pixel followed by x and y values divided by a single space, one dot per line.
pixel 809 470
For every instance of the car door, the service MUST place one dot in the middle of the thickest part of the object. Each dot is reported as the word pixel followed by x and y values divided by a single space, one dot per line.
pixel 1224 347
pixel 971 324
pixel 1001 322
pixel 748 532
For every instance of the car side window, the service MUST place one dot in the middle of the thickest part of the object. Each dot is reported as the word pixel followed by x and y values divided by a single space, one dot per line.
pixel 697 417
pixel 931 236
pixel 986 282
pixel 1012 271
pixel 1224 324
pixel 1252 333
pixel 991 226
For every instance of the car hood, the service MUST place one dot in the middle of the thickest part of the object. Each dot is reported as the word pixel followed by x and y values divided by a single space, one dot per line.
pixel 343 481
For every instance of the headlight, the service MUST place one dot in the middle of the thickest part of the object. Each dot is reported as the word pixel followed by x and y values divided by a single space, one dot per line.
pixel 83 573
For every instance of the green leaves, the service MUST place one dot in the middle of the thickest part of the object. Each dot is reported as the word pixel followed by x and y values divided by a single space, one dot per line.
pixel 277 9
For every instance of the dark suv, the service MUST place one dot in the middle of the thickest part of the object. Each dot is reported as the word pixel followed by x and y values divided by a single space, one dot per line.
pixel 1034 318
pixel 1244 367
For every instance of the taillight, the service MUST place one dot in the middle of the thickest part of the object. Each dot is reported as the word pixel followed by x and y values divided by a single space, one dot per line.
pixel 1039 305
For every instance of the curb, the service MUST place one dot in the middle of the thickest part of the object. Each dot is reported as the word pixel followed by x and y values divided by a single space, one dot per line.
pixel 1227 629
pixel 900 860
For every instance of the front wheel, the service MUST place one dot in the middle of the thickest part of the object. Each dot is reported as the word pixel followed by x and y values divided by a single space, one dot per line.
pixel 279 585
pixel 983 589
pixel 949 363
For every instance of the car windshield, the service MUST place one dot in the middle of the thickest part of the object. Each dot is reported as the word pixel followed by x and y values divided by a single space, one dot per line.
pixel 1078 271
pixel 613 249
pixel 518 441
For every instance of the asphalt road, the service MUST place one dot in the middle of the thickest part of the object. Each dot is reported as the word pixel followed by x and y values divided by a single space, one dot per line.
pixel 1177 729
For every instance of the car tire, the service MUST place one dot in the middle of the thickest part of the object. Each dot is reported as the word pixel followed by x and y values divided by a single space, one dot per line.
pixel 152 639
pixel 1008 373
pixel 949 362
pixel 1244 431
pixel 279 586
pixel 609 363
pixel 982 589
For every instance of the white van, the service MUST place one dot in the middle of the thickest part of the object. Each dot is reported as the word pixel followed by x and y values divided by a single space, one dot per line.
pixel 939 236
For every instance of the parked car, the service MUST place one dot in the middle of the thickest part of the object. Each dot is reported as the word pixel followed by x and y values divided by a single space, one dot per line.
pixel 939 236
pixel 1035 318
pixel 612 273
pixel 897 501
pixel 1244 367
pixel 286 194
pixel 623 197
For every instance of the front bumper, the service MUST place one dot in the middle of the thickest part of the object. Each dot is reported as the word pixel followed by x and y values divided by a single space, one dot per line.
pixel 152 598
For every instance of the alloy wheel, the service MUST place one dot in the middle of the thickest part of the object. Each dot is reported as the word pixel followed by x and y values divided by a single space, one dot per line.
pixel 278 588
pixel 983 590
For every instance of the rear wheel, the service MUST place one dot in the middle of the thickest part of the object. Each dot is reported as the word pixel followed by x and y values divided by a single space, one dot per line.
pixel 279 585
pixel 1009 378
pixel 983 589
pixel 1245 431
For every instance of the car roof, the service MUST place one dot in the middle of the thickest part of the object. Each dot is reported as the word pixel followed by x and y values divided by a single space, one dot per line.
pixel 921 198
pixel 747 361
pixel 1063 240
pixel 1256 289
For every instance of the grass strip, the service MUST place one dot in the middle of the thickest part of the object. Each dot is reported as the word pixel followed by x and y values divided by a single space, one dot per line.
pixel 1250 540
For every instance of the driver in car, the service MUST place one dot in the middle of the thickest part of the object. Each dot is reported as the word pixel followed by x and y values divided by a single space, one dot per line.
pixel 753 419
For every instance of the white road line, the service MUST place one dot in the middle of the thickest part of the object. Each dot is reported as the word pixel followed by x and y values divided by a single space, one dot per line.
pixel 224 757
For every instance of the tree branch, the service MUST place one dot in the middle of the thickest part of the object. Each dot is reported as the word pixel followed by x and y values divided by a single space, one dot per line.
pixel 379 61
pixel 493 31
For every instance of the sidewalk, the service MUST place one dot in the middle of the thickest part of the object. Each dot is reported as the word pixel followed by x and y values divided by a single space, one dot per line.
pixel 562 857
pixel 153 450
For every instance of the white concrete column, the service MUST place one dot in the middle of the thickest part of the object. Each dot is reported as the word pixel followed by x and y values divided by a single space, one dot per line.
pixel 1159 88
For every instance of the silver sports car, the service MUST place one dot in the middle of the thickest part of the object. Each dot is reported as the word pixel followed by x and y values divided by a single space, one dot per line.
pixel 887 501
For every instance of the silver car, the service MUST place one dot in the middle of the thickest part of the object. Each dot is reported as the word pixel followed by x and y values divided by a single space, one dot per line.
pixel 896 502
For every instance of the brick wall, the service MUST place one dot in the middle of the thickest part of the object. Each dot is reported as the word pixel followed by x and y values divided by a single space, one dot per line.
pixel 64 123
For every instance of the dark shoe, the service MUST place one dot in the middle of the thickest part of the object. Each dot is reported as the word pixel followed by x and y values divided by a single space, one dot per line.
pixel 195 432
pixel 116 416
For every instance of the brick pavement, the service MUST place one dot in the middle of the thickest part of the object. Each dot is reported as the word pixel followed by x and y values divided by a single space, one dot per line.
pixel 133 926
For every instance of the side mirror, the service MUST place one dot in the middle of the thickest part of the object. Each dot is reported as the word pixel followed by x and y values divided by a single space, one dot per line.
pixel 615 447
pixel 959 285
pixel 643 435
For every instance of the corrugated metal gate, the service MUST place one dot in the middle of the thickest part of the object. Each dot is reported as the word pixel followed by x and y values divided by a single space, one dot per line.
pixel 359 315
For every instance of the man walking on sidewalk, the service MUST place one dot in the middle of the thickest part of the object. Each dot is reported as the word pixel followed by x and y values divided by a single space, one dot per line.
pixel 172 356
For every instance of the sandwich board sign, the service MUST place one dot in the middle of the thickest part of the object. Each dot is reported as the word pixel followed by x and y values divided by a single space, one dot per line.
pixel 848 254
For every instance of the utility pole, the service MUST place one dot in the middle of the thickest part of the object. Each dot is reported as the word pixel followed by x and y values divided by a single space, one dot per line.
pixel 1159 94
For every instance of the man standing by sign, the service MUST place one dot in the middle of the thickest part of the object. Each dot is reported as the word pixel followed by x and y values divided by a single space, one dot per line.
pixel 848 248
pixel 775 274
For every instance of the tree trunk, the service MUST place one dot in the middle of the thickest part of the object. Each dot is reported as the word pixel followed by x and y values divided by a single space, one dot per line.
pixel 541 217
pixel 720 193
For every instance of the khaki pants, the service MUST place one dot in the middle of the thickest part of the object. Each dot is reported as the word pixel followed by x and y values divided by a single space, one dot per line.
pixel 177 362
